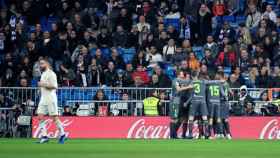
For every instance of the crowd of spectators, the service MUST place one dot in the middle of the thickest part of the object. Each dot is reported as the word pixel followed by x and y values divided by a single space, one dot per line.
pixel 83 39
pixel 86 40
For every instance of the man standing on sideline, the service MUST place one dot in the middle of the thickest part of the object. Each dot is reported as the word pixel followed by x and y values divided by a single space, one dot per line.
pixel 48 102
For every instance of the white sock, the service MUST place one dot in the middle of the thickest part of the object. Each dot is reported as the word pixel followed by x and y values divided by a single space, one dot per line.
pixel 42 126
pixel 60 127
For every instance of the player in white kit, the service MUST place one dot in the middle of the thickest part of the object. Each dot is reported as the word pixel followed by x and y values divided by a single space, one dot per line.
pixel 48 102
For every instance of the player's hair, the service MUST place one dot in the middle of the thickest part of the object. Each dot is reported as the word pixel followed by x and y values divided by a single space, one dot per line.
pixel 194 74
pixel 221 74
pixel 178 72
pixel 47 61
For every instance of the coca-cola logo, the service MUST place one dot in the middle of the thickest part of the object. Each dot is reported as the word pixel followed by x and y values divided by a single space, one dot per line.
pixel 271 130
pixel 50 126
pixel 141 129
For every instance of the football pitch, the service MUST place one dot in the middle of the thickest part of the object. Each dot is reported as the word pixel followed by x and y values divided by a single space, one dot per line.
pixel 100 148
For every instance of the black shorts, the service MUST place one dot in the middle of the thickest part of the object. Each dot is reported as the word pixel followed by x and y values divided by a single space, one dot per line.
pixel 214 110
pixel 224 109
pixel 198 108
pixel 177 109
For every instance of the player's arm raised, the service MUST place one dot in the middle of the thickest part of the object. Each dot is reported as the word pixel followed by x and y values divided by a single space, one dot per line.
pixel 183 88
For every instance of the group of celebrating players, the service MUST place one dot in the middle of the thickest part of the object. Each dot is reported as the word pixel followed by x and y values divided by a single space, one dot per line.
pixel 196 99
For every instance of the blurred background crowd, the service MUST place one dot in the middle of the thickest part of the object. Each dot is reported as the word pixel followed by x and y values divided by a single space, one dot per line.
pixel 140 43
pixel 124 43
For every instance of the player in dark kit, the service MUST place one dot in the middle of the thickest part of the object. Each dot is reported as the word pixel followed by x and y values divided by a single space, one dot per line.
pixel 214 107
pixel 179 105
pixel 198 104
pixel 225 93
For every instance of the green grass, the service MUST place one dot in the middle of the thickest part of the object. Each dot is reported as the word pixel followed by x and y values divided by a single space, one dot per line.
pixel 91 148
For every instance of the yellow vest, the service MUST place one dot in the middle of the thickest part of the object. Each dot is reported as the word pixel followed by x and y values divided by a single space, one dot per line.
pixel 151 106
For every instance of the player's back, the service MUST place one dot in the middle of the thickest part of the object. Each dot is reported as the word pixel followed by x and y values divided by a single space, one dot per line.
pixel 199 90
pixel 214 91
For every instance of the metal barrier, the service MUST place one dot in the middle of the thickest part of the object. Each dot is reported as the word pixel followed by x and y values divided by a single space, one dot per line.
pixel 15 101
pixel 28 98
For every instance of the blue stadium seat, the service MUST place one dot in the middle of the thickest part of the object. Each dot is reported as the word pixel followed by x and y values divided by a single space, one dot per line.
pixel 120 51
pixel 106 52
pixel 230 19
pixel 198 52
pixel 240 19
pixel 127 58
pixel 92 52
pixel 271 2
pixel 227 70
pixel 173 22
pixel 128 51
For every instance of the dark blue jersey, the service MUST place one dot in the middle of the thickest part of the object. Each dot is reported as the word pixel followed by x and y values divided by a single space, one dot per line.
pixel 199 90
pixel 214 89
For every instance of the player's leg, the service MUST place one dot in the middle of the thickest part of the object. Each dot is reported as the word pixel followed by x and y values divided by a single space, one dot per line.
pixel 192 112
pixel 210 123
pixel 53 112
pixel 174 115
pixel 184 120
pixel 226 128
pixel 42 111
pixel 219 126
pixel 184 127
pixel 225 120
pixel 204 113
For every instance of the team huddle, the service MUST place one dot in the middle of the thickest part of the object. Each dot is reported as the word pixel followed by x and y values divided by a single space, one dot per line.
pixel 201 100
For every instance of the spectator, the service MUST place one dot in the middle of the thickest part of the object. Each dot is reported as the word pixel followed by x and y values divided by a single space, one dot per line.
pixel 225 31
pixel 169 49
pixel 276 77
pixel 101 107
pixel 178 57
pixel 95 75
pixel 139 59
pixel 219 8
pixel 209 60
pixel 141 74
pixel 110 75
pixel 270 13
pixel 143 24
pixel 263 79
pixel 155 81
pixel 233 81
pixel 117 59
pixel 67 111
pixel 193 62
pixel 227 57
pixel 153 56
pixel 253 18
pixel 204 23
pixel 212 46
pixel 163 79
pixel 119 37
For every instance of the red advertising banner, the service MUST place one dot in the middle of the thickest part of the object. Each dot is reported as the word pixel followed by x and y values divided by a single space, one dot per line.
pixel 152 127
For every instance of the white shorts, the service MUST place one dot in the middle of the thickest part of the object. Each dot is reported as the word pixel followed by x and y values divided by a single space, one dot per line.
pixel 48 107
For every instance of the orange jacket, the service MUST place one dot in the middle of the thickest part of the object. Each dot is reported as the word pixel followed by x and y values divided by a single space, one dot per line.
pixel 194 64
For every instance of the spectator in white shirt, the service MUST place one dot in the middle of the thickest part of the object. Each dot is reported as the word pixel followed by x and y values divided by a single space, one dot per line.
pixel 153 57
pixel 169 49
pixel 143 24
pixel 269 11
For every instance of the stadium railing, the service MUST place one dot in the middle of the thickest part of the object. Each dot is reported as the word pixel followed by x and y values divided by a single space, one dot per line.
pixel 18 101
